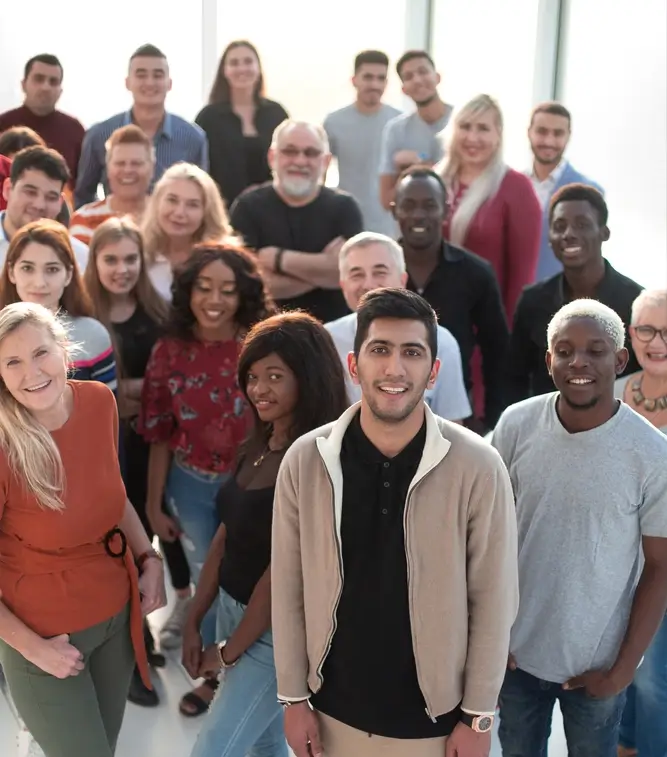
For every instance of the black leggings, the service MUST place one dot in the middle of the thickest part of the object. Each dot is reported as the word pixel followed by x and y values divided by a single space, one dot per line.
pixel 136 483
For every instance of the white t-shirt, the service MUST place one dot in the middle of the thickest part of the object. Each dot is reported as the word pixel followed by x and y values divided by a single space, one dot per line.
pixel 448 398
pixel 80 249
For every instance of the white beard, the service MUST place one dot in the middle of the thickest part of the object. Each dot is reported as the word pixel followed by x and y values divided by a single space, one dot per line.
pixel 298 186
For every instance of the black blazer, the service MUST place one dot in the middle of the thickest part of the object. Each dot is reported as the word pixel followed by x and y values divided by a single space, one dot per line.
pixel 224 131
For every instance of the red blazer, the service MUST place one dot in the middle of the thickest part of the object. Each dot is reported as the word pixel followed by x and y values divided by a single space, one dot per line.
pixel 506 231
pixel 5 167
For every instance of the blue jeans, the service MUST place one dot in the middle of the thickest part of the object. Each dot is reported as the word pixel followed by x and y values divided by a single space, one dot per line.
pixel 191 499
pixel 644 723
pixel 245 717
pixel 526 708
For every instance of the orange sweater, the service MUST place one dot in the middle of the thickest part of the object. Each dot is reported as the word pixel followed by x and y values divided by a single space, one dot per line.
pixel 55 573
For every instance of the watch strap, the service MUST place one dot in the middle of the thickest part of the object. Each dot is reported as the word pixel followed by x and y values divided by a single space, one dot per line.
pixel 149 554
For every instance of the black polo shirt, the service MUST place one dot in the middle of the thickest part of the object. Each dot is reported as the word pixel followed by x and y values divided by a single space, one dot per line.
pixel 265 220
pixel 537 305
pixel 236 161
pixel 464 292
pixel 370 676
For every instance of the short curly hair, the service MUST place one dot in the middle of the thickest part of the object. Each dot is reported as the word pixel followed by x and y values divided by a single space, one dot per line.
pixel 255 303
pixel 583 192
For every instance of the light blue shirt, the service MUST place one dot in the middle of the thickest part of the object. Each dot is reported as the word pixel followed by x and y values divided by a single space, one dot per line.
pixel 176 140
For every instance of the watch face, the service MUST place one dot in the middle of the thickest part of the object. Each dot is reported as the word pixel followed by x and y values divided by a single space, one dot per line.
pixel 484 724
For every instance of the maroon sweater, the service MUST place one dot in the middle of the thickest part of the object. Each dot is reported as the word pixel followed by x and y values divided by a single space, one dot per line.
pixel 506 231
pixel 60 131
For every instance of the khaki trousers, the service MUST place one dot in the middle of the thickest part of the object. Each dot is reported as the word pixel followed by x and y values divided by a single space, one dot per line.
pixel 339 740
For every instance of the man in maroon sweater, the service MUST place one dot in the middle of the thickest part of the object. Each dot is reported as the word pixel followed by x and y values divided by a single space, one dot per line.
pixel 42 85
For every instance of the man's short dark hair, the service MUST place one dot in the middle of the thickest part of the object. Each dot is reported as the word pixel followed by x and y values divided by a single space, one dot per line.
pixel 17 138
pixel 412 55
pixel 553 109
pixel 47 59
pixel 37 158
pixel 395 303
pixel 376 57
pixel 422 172
pixel 574 192
pixel 147 51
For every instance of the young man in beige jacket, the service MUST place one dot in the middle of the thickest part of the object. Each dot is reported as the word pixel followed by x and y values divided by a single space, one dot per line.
pixel 394 562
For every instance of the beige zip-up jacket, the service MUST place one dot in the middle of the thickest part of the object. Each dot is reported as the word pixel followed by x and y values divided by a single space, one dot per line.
pixel 461 546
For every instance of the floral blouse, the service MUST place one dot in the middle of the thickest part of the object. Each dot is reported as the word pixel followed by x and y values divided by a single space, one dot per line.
pixel 192 401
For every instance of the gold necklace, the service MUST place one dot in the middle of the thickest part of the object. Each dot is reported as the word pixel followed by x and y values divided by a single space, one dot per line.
pixel 268 451
pixel 650 405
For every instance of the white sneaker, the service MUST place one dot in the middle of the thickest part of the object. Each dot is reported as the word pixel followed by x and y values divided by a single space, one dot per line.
pixel 172 631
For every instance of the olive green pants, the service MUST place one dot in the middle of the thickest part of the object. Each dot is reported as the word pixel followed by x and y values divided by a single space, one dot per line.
pixel 79 716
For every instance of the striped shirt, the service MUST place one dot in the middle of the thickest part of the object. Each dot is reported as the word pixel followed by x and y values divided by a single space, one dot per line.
pixel 93 358
pixel 88 217
pixel 176 140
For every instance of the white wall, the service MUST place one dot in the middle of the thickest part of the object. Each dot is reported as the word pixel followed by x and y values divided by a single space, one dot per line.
pixel 308 54
pixel 480 46
pixel 95 50
pixel 614 80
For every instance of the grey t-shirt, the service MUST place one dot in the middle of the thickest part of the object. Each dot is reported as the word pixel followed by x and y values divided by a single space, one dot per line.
pixel 583 503
pixel 448 398
pixel 355 140
pixel 409 131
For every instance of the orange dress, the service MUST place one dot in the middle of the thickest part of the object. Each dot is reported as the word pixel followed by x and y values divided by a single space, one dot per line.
pixel 63 572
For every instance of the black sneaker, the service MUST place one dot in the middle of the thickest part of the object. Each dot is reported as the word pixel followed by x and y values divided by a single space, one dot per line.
pixel 139 694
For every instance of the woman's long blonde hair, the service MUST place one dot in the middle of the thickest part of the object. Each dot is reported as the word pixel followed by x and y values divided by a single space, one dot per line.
pixel 487 184
pixel 215 226
pixel 31 452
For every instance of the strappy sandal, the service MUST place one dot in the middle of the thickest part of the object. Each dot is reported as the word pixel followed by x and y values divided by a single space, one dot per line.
pixel 199 705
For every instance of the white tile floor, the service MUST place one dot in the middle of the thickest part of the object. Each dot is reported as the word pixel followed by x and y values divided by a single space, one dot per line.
pixel 162 732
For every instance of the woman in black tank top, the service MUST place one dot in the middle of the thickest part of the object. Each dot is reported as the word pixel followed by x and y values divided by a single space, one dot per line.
pixel 293 379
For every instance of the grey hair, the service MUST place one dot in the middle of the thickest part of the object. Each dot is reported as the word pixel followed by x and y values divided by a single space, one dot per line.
pixel 366 239
pixel 290 123
pixel 609 321
pixel 650 298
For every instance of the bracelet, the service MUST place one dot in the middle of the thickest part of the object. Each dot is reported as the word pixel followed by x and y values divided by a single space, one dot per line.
pixel 149 554
pixel 285 704
pixel 278 261
pixel 223 664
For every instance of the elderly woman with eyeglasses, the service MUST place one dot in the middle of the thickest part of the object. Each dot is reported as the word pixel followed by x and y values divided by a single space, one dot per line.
pixel 644 727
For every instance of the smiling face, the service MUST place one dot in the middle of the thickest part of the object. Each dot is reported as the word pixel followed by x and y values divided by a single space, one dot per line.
pixel 420 209
pixel 576 234
pixel 33 367
pixel 180 209
pixel 367 268
pixel 273 390
pixel 584 363
pixel 420 80
pixel 299 161
pixel 477 139
pixel 40 276
pixel 148 81
pixel 214 300
pixel 130 170
pixel 649 339
pixel 549 134
pixel 119 265
pixel 32 197
pixel 241 68
pixel 394 368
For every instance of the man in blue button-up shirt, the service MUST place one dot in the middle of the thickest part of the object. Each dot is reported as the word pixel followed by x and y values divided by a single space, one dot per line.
pixel 175 139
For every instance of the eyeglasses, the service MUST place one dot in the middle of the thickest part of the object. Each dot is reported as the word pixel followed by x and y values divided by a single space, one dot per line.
pixel 647 333
pixel 312 153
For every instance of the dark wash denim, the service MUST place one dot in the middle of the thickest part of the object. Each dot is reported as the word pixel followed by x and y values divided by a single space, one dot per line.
pixel 526 709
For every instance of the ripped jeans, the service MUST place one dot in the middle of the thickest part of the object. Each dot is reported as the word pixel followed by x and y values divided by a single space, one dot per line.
pixel 190 496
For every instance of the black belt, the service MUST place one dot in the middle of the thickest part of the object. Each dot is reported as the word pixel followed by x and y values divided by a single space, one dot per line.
pixel 109 537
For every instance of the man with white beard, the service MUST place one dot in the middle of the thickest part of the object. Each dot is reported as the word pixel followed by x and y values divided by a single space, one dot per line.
pixel 297 225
